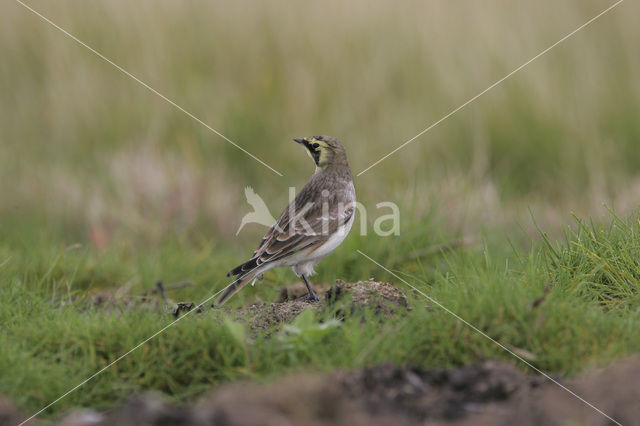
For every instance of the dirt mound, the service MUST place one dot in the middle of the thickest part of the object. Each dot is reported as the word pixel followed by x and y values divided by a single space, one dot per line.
pixel 490 393
pixel 263 316
pixel 381 395
pixel 614 390
pixel 297 400
pixel 9 413
pixel 427 394
pixel 362 293
pixel 384 297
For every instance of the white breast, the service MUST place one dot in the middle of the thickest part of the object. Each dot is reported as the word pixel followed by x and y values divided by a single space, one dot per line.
pixel 302 262
pixel 334 240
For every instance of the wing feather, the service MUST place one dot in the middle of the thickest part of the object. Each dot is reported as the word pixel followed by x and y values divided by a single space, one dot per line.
pixel 309 226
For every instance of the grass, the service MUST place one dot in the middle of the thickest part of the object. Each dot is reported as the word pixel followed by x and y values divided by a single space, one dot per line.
pixel 75 129
pixel 104 186
pixel 601 263
pixel 50 326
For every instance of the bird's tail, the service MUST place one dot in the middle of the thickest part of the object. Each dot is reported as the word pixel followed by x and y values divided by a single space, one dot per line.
pixel 242 277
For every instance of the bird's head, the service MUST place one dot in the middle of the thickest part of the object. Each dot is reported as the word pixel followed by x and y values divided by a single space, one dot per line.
pixel 325 151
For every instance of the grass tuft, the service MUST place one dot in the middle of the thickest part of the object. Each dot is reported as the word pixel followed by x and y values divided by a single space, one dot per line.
pixel 600 262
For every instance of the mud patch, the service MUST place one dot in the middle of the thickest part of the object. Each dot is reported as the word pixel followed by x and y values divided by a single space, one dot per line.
pixel 434 394
pixel 489 393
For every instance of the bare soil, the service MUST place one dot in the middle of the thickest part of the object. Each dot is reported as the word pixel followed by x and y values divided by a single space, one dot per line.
pixel 490 393
pixel 384 297
pixel 381 297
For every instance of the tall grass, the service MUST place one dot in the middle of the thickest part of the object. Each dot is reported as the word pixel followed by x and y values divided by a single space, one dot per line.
pixel 83 143
pixel 601 262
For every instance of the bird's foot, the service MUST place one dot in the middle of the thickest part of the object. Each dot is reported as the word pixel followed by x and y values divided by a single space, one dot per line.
pixel 312 298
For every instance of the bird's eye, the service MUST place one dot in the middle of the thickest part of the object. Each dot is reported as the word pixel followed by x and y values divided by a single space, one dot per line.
pixel 315 145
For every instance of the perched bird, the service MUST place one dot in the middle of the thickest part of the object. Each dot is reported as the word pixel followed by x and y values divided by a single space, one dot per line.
pixel 313 225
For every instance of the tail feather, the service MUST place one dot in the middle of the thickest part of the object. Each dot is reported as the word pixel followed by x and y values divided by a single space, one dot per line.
pixel 240 281
pixel 244 267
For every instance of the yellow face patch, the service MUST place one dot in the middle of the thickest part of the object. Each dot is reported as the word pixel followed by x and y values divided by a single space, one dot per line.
pixel 320 151
pixel 325 154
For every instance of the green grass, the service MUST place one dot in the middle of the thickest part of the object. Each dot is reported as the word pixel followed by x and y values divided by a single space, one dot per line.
pixel 104 185
pixel 601 263
pixel 560 135
pixel 50 327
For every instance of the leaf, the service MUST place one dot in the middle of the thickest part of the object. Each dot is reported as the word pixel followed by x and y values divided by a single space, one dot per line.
pixel 236 330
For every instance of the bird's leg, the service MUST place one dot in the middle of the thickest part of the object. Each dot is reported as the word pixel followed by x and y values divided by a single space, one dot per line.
pixel 312 295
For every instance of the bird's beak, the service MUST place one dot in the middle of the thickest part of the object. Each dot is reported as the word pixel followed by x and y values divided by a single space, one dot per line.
pixel 300 140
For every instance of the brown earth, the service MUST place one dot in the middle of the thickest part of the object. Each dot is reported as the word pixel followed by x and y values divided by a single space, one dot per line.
pixel 490 393
pixel 384 298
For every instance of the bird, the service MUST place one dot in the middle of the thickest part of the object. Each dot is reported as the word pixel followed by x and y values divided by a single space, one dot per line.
pixel 260 214
pixel 312 226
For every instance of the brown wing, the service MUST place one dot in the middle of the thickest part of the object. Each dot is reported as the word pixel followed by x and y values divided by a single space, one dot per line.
pixel 303 224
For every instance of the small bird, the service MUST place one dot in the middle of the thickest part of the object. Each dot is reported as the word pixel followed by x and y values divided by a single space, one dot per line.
pixel 313 225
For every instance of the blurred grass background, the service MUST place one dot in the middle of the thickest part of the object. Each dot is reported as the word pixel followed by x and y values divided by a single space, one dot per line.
pixel 85 148
pixel 104 185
